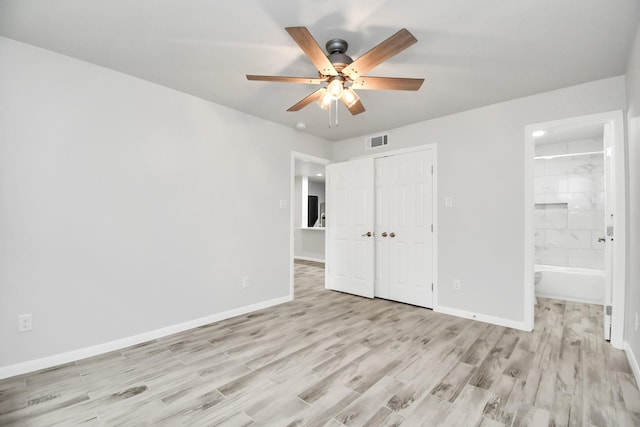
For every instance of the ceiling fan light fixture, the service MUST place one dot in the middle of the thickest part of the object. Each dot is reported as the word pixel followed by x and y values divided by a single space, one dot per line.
pixel 325 100
pixel 349 96
pixel 335 88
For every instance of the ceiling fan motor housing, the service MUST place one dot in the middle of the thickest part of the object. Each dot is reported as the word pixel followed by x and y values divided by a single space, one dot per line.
pixel 337 55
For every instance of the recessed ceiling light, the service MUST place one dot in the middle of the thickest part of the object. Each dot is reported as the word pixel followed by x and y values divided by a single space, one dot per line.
pixel 538 133
pixel 318 174
pixel 301 125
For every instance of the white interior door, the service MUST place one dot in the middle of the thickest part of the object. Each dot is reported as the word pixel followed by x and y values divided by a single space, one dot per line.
pixel 381 229
pixel 403 231
pixel 609 188
pixel 349 227
pixel 410 228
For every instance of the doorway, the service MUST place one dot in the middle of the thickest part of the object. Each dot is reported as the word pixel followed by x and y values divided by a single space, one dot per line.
pixel 574 202
pixel 308 205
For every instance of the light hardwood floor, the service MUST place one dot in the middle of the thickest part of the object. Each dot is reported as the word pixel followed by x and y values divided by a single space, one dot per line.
pixel 331 359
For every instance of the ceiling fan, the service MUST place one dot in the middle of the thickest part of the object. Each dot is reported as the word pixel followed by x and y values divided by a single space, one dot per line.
pixel 343 74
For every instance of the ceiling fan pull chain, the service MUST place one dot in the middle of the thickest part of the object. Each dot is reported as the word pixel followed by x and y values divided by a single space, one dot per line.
pixel 337 122
pixel 329 110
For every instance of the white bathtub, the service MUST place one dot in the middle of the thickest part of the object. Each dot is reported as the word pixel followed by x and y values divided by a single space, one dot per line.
pixel 570 283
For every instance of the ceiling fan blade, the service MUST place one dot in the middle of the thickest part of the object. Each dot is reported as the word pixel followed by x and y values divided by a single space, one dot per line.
pixel 310 47
pixel 354 108
pixel 385 50
pixel 387 83
pixel 305 80
pixel 307 100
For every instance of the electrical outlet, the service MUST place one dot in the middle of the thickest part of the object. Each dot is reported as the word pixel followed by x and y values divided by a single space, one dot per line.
pixel 636 322
pixel 245 282
pixel 448 202
pixel 456 284
pixel 25 322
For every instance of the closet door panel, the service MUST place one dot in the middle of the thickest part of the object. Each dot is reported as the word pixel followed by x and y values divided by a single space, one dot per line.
pixel 381 219
pixel 410 219
pixel 349 227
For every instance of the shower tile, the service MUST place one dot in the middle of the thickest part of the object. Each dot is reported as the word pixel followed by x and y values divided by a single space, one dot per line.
pixel 569 165
pixel 550 184
pixel 538 218
pixel 585 183
pixel 597 198
pixel 556 198
pixel 551 256
pixel 586 220
pixel 586 258
pixel 555 218
pixel 597 160
pixel 543 184
pixel 550 217
pixel 586 201
pixel 573 239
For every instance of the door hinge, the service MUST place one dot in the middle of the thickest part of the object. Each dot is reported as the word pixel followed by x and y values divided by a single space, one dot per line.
pixel 431 170
pixel 432 228
pixel 432 287
pixel 608 310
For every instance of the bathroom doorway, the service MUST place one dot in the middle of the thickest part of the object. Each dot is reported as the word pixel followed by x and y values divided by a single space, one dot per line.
pixel 574 204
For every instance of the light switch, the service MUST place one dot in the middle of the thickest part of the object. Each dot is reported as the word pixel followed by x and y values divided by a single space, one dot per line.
pixel 448 202
pixel 284 203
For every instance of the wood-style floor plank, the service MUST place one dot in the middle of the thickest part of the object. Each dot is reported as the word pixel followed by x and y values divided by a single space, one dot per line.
pixel 332 359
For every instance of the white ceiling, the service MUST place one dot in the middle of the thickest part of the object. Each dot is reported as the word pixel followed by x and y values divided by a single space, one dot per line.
pixel 472 53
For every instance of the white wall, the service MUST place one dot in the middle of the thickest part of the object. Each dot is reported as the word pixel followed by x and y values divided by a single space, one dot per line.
pixel 127 207
pixel 481 165
pixel 297 201
pixel 632 335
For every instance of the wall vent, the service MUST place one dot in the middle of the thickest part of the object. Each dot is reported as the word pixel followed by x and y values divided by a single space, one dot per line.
pixel 376 141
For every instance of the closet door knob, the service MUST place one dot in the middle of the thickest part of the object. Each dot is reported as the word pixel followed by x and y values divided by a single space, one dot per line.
pixel 384 234
pixel 367 234
pixel 392 234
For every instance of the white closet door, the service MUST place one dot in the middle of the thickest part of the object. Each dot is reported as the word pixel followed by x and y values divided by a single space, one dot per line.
pixel 349 227
pixel 381 219
pixel 409 186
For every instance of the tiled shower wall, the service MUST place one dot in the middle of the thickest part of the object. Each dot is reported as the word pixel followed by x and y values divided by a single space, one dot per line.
pixel 569 212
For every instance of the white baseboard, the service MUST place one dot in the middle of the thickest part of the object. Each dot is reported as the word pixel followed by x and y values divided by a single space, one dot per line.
pixel 633 362
pixel 83 353
pixel 306 258
pixel 500 321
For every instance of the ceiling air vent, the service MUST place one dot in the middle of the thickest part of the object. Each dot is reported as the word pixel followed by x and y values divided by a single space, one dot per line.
pixel 377 141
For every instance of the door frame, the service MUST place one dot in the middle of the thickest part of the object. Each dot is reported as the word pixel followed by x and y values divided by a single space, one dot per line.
pixel 296 155
pixel 434 148
pixel 618 274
